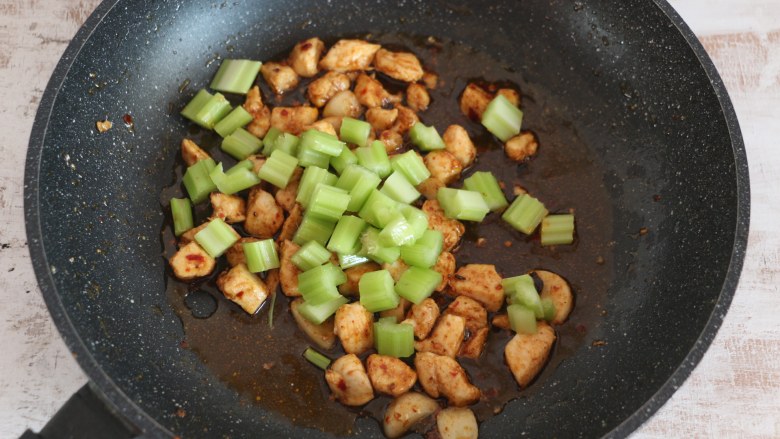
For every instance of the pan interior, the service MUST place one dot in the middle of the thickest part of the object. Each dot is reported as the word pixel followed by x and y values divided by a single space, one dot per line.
pixel 620 80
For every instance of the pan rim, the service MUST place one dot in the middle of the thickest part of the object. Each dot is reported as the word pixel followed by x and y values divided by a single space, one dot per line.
pixel 124 405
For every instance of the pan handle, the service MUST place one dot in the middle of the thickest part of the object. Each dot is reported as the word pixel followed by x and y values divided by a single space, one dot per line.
pixel 85 416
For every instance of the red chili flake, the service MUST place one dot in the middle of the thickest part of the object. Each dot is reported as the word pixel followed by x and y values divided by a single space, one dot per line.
pixel 656 198
pixel 305 46
pixel 342 385
pixel 240 294
pixel 197 258
pixel 285 113
pixel 128 120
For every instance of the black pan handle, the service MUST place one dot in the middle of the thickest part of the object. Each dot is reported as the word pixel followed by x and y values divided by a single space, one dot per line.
pixel 85 416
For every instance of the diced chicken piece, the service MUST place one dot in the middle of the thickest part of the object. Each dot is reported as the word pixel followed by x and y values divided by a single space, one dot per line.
pixel 354 326
pixel 322 335
pixel 305 57
pixel 288 272
pixel 389 375
pixel 406 118
pixel 446 337
pixel 343 104
pixel 322 126
pixel 556 288
pixel 403 66
pixel 272 280
pixel 349 55
pixel 230 208
pixel 452 229
pixel 380 118
pixel 471 310
pixel 263 215
pixel 473 102
pixel 423 316
pixel 521 147
pixel 350 287
pixel 445 266
pixel 457 423
pixel 454 384
pixel 235 254
pixel 243 287
pixel 431 80
pixel 501 321
pixel 459 144
pixel 291 224
pixel 191 261
pixel 511 95
pixel 480 282
pixel 396 268
pixel 258 161
pixel 475 344
pixel 189 236
pixel 348 380
pixel 443 166
pixel 293 119
pixel 526 354
pixel 192 153
pixel 322 89
pixel 406 411
pixel 417 97
pixel 398 312
pixel 370 92
pixel 335 121
pixel 425 366
pixel 286 197
pixel 279 77
pixel 392 140
pixel 261 114
pixel 430 187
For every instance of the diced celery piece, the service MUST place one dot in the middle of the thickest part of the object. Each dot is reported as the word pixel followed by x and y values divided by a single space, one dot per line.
pixel 261 255
pixel 462 204
pixel 558 229
pixel 397 187
pixel 197 181
pixel 181 211
pixel 316 358
pixel 396 232
pixel 346 158
pixel 243 164
pixel 377 292
pixel 241 144
pixel 378 209
pixel 354 131
pixel 313 229
pixel 374 250
pixel 235 181
pixel 236 119
pixel 307 156
pixel 319 313
pixel 216 237
pixel 411 165
pixel 416 284
pixel 502 118
pixel 286 142
pixel 523 292
pixel 328 202
pixel 360 183
pixel 425 251
pixel 351 260
pixel 521 319
pixel 346 235
pixel 270 139
pixel 487 185
pixel 278 169
pixel 312 176
pixel 426 138
pixel 323 143
pixel 236 75
pixel 206 109
pixel 310 255
pixel 374 158
pixel 549 309
pixel 525 213
pixel 317 285
pixel 394 339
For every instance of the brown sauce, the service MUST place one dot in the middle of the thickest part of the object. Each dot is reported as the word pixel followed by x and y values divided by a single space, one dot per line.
pixel 265 364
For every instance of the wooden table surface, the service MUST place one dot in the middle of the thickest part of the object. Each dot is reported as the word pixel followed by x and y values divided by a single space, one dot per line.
pixel 733 392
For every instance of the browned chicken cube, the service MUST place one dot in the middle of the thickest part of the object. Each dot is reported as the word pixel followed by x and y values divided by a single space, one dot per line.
pixel 389 375
pixel 286 197
pixel 471 310
pixel 457 423
pixel 526 354
pixel 257 160
pixel 445 266
pixel 370 92
pixel 189 236
pixel 191 261
pixel 354 326
pixel 429 187
pixel 458 143
pixel 406 119
pixel 288 272
pixel 293 119
pixel 343 104
pixel 235 254
pixel 323 126
pixel 350 287
pixel 406 411
pixel 425 366
pixel 263 215
pixel 443 166
pixel 557 289
pixel 291 224
pixel 349 55
pixel 452 229
pixel 280 78
pixel 446 338
pixel 305 57
pixel 392 140
pixel 261 114
pixel 230 208
pixel 192 153
pixel 475 344
pixel 417 97
pixel 381 119
pixel 473 102
pixel 500 321
pixel 443 376
pixel 423 316
pixel 398 312
pixel 322 89
pixel 403 66
pixel 349 382
pixel 521 147
pixel 480 282
pixel 243 287
pixel 322 335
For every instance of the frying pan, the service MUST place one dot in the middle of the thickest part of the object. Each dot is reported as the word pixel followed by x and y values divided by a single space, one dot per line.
pixel 626 82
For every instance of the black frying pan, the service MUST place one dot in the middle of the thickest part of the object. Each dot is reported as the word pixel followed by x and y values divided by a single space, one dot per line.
pixel 631 115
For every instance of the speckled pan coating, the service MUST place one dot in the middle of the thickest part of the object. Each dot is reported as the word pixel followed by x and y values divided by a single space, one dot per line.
pixel 638 88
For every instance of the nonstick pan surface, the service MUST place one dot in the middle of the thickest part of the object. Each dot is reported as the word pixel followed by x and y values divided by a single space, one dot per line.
pixel 627 82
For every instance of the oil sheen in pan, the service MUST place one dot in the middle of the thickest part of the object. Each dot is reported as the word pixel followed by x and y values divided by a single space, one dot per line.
pixel 265 365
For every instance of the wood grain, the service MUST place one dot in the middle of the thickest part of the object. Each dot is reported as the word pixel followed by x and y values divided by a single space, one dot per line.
pixel 735 390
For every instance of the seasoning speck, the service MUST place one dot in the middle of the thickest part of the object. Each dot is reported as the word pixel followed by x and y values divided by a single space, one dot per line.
pixel 598 343
pixel 481 242
pixel 643 231
pixel 507 243
pixel 103 125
